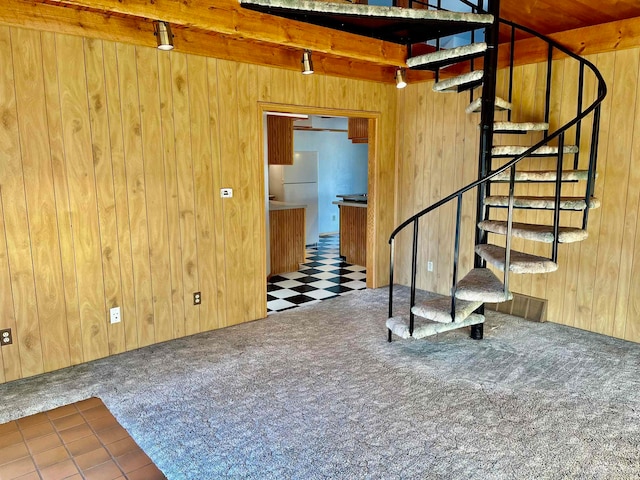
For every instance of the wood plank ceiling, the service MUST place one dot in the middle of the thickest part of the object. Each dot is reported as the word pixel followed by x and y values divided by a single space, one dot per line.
pixel 225 30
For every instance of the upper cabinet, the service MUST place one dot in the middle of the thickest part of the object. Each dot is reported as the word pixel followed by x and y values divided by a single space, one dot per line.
pixel 280 140
pixel 358 130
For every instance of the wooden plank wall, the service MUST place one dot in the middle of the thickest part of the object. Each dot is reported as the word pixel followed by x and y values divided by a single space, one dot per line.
pixel 111 161
pixel 597 286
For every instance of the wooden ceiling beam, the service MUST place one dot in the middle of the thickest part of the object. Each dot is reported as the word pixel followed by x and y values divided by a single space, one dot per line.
pixel 607 37
pixel 87 23
pixel 229 18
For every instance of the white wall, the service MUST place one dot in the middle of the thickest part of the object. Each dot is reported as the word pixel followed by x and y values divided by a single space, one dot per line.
pixel 342 167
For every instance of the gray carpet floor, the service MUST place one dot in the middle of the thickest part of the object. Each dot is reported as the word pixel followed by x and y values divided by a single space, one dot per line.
pixel 316 392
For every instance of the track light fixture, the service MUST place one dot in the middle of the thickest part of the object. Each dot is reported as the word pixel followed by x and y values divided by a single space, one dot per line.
pixel 163 34
pixel 401 79
pixel 307 63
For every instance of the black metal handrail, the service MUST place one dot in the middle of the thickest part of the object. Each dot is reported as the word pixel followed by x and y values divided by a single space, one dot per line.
pixel 595 107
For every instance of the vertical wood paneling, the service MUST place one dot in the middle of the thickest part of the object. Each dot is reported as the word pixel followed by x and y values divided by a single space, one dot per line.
pixel 82 195
pixel 112 159
pixel 215 122
pixel 40 198
pixel 254 187
pixel 597 229
pixel 104 187
pixel 186 201
pixel 203 186
pixel 136 193
pixel 61 186
pixel 116 141
pixel 597 285
pixel 154 180
pixel 9 354
pixel 16 219
pixel 631 312
pixel 231 175
pixel 171 190
pixel 83 201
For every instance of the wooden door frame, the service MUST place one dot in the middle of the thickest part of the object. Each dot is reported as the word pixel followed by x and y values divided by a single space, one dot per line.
pixel 373 263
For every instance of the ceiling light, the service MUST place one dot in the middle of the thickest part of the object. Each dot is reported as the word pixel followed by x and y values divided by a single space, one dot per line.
pixel 401 79
pixel 307 63
pixel 163 34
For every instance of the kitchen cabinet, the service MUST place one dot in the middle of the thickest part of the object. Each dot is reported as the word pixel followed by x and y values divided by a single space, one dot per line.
pixel 287 237
pixel 280 140
pixel 358 130
pixel 353 232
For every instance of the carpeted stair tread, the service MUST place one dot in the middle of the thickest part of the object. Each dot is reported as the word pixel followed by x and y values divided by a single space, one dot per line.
pixel 520 262
pixel 446 56
pixel 454 83
pixel 482 285
pixel 439 309
pixel 538 233
pixel 513 150
pixel 500 104
pixel 520 127
pixel 542 203
pixel 543 176
pixel 424 328
pixel 373 11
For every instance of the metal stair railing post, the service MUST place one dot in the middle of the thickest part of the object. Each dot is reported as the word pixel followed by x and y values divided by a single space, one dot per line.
pixel 414 269
pixel 576 158
pixel 593 159
pixel 556 209
pixel 547 98
pixel 456 255
pixel 512 51
pixel 392 250
pixel 486 119
pixel 507 250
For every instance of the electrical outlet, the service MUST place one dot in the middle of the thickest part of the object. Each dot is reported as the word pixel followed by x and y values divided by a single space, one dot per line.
pixel 197 298
pixel 333 218
pixel 429 266
pixel 114 315
pixel 5 337
pixel 226 192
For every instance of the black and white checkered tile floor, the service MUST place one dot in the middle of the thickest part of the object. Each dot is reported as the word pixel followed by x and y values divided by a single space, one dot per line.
pixel 323 275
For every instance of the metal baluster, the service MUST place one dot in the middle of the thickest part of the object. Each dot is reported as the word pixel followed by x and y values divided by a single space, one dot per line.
pixel 512 46
pixel 547 99
pixel 414 262
pixel 593 160
pixel 392 248
pixel 456 254
pixel 507 251
pixel 576 159
pixel 556 211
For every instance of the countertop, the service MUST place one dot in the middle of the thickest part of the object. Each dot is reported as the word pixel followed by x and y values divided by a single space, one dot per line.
pixel 275 205
pixel 350 204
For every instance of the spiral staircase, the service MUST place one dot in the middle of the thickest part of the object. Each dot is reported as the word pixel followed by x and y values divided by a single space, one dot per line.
pixel 503 169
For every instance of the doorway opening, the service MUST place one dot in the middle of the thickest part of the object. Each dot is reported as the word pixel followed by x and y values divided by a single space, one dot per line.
pixel 317 185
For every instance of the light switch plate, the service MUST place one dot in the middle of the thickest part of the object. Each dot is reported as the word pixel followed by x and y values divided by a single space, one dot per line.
pixel 226 192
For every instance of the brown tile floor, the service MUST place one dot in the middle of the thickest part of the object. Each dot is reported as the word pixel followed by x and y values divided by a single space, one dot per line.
pixel 78 441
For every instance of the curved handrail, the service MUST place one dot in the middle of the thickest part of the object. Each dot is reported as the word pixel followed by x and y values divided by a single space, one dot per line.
pixel 602 92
